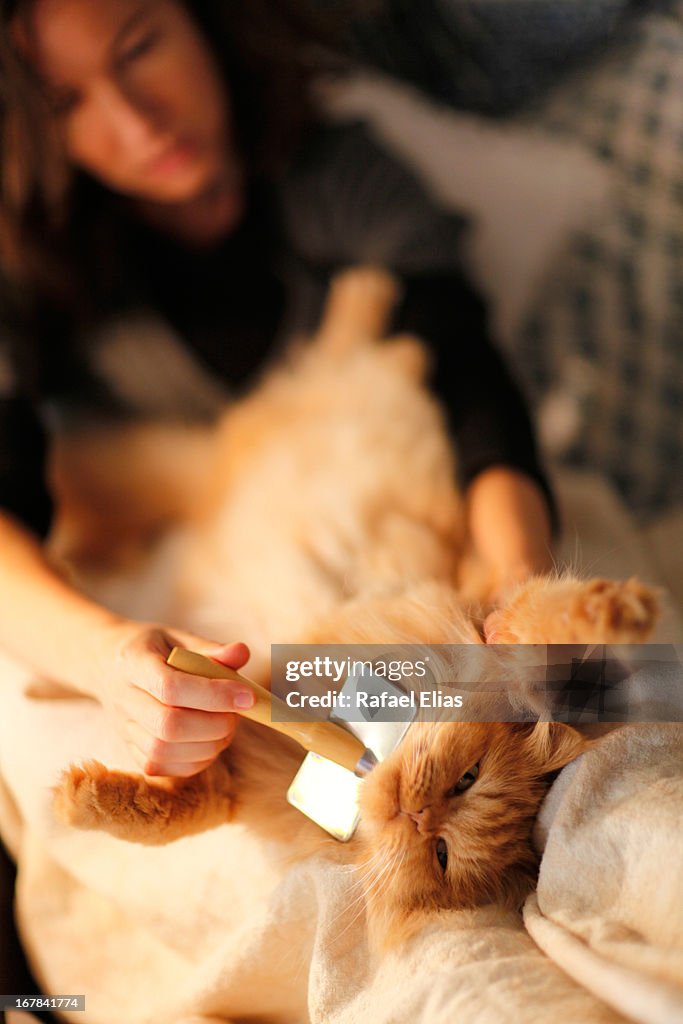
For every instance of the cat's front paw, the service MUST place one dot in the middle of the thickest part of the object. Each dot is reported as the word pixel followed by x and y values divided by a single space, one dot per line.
pixel 143 810
pixel 570 611
pixel 91 796
pixel 618 612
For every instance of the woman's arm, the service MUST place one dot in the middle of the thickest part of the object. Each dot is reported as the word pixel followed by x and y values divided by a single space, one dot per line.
pixel 174 724
pixel 348 200
pixel 509 525
pixel 511 512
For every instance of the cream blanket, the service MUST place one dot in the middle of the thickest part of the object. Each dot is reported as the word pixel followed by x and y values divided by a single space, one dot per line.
pixel 609 904
pixel 206 930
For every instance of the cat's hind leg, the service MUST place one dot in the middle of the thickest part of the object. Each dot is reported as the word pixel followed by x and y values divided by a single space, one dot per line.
pixel 358 307
pixel 140 809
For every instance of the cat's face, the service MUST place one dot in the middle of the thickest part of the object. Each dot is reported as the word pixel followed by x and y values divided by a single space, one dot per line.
pixel 447 818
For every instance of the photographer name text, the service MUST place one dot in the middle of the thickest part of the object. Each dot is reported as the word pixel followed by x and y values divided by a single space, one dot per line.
pixel 363 701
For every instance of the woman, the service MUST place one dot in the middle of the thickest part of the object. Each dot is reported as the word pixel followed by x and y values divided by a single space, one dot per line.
pixel 160 154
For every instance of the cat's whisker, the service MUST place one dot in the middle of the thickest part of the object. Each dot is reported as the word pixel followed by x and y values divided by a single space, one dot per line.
pixel 369 873
pixel 359 901
pixel 374 856
pixel 385 877
pixel 371 879
pixel 587 569
pixel 339 935
pixel 347 869
pixel 385 873
pixel 373 891
pixel 364 871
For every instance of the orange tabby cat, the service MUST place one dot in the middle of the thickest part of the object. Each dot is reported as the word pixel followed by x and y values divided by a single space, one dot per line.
pixel 361 541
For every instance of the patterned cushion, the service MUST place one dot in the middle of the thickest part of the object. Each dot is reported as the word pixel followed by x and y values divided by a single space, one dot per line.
pixel 601 353
pixel 607 328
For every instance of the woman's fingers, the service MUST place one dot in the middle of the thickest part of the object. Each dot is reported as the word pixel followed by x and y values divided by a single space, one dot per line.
pixel 147 670
pixel 182 690
pixel 171 768
pixel 176 724
pixel 161 757
pixel 234 655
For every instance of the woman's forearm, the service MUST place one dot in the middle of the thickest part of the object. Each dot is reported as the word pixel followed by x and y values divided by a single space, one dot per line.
pixel 174 723
pixel 509 523
pixel 46 623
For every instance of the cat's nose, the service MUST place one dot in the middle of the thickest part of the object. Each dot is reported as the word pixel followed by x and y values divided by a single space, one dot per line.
pixel 419 817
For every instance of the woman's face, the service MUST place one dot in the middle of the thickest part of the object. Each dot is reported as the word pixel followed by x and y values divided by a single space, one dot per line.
pixel 138 97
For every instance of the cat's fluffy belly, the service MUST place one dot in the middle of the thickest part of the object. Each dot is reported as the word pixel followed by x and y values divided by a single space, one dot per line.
pixel 334 480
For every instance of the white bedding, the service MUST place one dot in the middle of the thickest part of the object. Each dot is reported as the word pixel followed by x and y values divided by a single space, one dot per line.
pixel 203 930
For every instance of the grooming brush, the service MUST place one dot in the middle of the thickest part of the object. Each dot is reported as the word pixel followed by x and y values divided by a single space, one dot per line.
pixel 340 753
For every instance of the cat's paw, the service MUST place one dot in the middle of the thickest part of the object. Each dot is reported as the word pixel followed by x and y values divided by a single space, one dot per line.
pixel 87 796
pixel 143 810
pixel 569 611
pixel 358 308
pixel 406 354
pixel 619 612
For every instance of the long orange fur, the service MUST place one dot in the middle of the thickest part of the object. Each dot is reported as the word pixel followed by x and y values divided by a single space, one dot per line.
pixel 323 509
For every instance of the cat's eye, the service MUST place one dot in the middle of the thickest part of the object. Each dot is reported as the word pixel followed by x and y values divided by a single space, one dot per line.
pixel 442 852
pixel 465 781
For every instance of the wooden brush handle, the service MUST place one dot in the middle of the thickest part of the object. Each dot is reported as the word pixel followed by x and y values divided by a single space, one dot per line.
pixel 323 738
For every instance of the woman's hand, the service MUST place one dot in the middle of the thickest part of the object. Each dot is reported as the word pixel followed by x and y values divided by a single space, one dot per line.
pixel 174 723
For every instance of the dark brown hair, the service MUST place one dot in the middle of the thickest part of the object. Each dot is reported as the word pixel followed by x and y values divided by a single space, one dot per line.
pixel 268 51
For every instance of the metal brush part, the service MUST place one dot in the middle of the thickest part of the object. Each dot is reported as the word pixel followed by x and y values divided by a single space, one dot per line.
pixel 327 793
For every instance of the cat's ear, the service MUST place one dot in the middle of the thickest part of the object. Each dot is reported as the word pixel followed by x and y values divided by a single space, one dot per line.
pixel 554 744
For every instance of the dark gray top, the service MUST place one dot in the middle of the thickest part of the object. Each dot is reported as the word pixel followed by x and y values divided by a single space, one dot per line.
pixel 343 201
